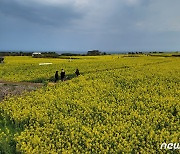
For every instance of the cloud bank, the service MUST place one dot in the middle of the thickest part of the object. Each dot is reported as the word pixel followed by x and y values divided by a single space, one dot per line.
pixel 84 24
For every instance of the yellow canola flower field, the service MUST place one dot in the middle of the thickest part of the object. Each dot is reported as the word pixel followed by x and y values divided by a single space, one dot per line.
pixel 117 105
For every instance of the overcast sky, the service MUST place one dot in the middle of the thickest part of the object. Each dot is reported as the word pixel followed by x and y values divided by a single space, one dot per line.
pixel 81 25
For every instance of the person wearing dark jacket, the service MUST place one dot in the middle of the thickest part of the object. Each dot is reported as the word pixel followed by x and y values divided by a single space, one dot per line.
pixel 62 75
pixel 56 76
pixel 77 72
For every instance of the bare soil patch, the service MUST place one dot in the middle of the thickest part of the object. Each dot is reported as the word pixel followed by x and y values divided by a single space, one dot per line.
pixel 8 88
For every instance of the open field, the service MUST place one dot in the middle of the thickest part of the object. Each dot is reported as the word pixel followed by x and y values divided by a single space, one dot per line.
pixel 117 104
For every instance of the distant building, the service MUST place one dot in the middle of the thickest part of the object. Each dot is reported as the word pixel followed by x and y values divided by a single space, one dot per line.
pixel 93 53
pixel 36 54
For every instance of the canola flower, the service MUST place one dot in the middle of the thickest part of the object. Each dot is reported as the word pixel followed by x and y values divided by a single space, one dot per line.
pixel 119 105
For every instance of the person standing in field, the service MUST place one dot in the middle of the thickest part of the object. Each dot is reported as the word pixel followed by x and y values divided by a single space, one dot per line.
pixel 56 76
pixel 77 72
pixel 62 75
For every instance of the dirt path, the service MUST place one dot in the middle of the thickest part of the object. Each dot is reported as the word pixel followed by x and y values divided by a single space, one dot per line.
pixel 8 88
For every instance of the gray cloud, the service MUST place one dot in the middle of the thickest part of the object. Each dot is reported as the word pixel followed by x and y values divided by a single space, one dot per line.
pixel 41 14
pixel 88 24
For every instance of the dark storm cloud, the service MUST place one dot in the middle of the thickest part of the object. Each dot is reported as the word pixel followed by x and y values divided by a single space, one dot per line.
pixel 42 14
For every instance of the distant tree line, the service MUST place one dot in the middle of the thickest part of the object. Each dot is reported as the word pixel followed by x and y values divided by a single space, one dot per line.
pixel 156 52
pixel 50 54
pixel 89 53
pixel 176 55
pixel 95 53
pixel 42 55
pixel 135 52
pixel 71 54
pixel 16 53
pixel 45 55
